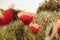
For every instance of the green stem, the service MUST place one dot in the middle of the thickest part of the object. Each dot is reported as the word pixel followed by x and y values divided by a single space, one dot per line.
pixel 25 32
pixel 58 38
pixel 36 36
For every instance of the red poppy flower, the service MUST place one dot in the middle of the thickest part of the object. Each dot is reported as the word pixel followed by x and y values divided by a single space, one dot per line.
pixel 26 17
pixel 58 31
pixel 46 20
pixel 35 27
pixel 58 26
pixel 6 17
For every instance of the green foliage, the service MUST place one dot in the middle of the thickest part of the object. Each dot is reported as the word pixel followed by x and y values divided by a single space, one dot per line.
pixel 50 5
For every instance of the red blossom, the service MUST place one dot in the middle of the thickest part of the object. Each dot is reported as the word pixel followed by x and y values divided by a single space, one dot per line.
pixel 58 31
pixel 6 17
pixel 26 17
pixel 46 20
pixel 35 27
pixel 58 26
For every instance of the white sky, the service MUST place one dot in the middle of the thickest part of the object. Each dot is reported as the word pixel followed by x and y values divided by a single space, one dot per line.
pixel 27 5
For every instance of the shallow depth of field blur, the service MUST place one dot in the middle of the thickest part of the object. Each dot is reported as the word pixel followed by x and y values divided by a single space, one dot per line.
pixel 48 9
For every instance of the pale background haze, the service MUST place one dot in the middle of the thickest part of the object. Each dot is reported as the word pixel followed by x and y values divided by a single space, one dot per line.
pixel 27 5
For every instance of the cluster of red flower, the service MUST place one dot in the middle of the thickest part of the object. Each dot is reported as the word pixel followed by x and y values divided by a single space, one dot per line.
pixel 26 18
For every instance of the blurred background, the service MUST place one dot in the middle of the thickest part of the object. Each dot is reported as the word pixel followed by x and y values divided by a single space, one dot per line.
pixel 48 11
pixel 27 5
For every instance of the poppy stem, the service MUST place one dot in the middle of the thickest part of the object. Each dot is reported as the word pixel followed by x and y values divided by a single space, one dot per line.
pixel 59 38
pixel 25 32
pixel 36 36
